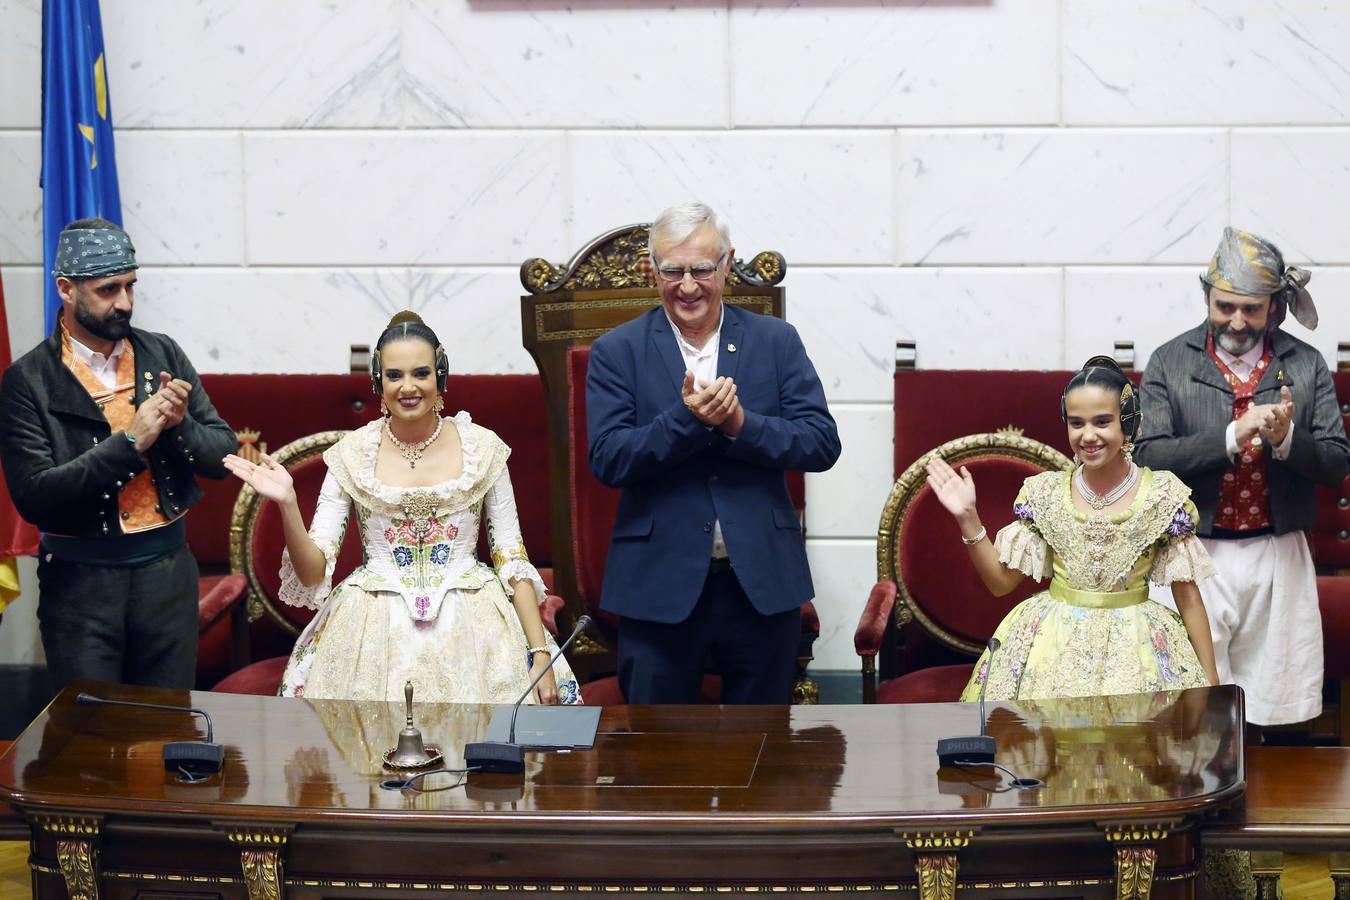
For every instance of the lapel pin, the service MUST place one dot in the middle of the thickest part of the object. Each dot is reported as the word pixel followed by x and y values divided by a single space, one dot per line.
pixel 1279 376
pixel 731 348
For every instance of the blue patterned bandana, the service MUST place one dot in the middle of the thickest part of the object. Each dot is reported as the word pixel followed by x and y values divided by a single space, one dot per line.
pixel 93 253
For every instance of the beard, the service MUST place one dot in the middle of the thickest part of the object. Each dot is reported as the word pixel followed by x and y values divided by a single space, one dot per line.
pixel 1236 342
pixel 112 327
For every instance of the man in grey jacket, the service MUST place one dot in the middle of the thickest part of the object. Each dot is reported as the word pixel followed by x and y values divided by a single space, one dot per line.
pixel 104 429
pixel 1246 414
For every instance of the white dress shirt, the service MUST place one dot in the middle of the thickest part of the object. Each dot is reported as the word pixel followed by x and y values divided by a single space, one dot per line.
pixel 702 361
pixel 103 367
pixel 1243 366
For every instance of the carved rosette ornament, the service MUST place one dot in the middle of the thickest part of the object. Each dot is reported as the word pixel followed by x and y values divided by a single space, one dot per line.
pixel 76 853
pixel 1136 858
pixel 619 259
pixel 261 861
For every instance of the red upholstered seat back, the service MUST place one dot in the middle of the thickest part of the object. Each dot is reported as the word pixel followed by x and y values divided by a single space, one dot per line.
pixel 935 566
pixel 268 542
pixel 283 408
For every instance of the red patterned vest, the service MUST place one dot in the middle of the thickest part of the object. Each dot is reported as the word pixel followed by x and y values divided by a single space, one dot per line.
pixel 1244 496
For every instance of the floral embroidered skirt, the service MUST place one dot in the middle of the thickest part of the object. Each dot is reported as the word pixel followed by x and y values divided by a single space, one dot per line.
pixel 1050 648
pixel 363 646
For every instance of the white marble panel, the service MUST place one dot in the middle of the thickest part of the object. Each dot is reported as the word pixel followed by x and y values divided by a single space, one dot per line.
pixel 476 314
pixel 1293 187
pixel 253 63
pixel 526 63
pixel 270 320
pixel 428 198
pixel 23 286
pixel 891 63
pixel 20 197
pixel 183 196
pixel 960 318
pixel 1145 62
pixel 21 63
pixel 843 573
pixel 846 501
pixel 1061 196
pixel 1149 306
pixel 814 196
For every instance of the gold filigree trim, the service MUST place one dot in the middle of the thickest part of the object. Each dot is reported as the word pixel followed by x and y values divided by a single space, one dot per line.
pixel 259 838
pixel 585 645
pixel 79 867
pixel 936 840
pixel 244 518
pixel 70 825
pixel 1134 871
pixel 907 487
pixel 937 876
pixel 755 303
pixel 1136 834
pixel 805 692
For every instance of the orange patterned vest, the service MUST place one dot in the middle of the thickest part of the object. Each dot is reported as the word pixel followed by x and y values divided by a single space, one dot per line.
pixel 138 503
pixel 1244 496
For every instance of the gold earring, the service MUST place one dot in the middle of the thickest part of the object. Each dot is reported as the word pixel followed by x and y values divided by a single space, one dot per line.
pixel 438 406
pixel 1127 448
pixel 384 410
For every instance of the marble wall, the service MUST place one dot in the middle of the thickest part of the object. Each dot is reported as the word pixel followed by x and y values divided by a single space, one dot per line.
pixel 1010 183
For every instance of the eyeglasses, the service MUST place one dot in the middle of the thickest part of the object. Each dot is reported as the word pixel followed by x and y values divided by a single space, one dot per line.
pixel 700 272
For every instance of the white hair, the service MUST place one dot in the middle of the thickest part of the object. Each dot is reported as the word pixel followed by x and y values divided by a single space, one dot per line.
pixel 676 224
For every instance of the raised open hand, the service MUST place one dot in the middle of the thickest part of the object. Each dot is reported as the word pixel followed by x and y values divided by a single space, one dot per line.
pixel 955 492
pixel 269 478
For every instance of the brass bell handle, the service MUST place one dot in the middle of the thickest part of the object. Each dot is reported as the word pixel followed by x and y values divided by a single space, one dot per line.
pixel 407 700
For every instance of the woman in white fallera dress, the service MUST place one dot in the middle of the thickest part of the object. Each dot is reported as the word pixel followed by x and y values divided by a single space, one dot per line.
pixel 421 607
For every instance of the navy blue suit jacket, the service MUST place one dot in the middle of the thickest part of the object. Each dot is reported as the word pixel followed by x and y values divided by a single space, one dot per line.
pixel 677 476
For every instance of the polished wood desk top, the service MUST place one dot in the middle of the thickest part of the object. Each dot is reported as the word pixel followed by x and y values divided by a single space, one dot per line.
pixel 1131 757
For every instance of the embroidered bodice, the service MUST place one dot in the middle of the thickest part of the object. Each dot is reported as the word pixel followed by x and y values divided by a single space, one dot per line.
pixel 420 543
pixel 1153 538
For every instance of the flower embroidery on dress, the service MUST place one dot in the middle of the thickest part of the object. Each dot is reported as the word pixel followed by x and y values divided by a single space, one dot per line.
pixel 403 556
pixel 1182 524
pixel 1024 512
pixel 440 554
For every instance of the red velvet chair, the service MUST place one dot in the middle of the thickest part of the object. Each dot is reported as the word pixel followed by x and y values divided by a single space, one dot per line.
pixel 923 571
pixel 256 543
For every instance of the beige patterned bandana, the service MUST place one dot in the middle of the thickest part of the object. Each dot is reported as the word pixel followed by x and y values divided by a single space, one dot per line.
pixel 1252 266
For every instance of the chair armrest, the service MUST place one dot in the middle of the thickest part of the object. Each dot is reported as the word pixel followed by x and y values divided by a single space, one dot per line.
pixel 872 622
pixel 548 611
pixel 217 595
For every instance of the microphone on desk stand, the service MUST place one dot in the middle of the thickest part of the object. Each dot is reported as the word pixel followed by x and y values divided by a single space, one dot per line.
pixel 194 760
pixel 495 756
pixel 979 750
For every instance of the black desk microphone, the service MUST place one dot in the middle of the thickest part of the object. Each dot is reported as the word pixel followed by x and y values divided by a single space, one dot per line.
pixel 194 759
pixel 495 756
pixel 977 750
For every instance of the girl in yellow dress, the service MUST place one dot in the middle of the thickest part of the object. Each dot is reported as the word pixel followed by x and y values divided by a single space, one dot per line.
pixel 1100 534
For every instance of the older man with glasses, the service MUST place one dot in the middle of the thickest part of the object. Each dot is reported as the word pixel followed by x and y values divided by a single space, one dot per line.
pixel 696 411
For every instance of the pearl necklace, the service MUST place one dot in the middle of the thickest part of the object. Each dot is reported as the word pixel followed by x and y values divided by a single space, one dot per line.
pixel 1101 501
pixel 413 452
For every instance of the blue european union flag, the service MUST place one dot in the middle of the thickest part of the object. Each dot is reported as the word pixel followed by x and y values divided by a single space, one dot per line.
pixel 79 167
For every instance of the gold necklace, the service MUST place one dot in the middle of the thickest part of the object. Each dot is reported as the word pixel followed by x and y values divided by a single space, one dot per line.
pixel 413 452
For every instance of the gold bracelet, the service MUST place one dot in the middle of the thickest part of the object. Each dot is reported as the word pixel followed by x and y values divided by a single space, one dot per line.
pixel 971 542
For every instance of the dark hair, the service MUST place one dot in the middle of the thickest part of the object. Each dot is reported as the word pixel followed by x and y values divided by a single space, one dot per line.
pixel 1104 372
pixel 408 326
pixel 93 222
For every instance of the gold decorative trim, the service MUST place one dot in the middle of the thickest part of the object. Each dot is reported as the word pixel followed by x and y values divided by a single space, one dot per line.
pixel 753 302
pixel 244 518
pixel 936 840
pixel 78 860
pixel 1136 834
pixel 260 838
pixel 1134 871
pixel 937 876
pixel 907 487
pixel 173 877
pixel 619 258
pixel 805 692
pixel 585 645
pixel 80 826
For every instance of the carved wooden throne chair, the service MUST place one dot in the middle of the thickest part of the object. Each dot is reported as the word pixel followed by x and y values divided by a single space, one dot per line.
pixel 924 576
pixel 607 283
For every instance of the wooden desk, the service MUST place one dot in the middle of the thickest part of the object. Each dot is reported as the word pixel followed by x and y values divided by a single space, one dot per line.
pixel 807 799
pixel 1297 801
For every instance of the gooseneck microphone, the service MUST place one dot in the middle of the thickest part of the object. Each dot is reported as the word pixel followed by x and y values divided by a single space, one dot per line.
pixel 495 756
pixel 194 759
pixel 977 750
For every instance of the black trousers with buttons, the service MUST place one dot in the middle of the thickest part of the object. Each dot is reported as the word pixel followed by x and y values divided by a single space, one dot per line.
pixel 755 654
pixel 127 624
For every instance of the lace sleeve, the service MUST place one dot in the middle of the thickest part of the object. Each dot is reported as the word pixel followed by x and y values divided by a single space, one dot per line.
pixel 1181 556
pixel 1020 547
pixel 504 540
pixel 327 530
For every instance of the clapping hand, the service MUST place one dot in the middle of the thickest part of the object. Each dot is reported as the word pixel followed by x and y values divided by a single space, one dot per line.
pixel 1275 424
pixel 715 405
pixel 269 478
pixel 955 492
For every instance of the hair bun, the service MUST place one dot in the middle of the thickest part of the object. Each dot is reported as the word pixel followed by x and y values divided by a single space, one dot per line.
pixel 1102 362
pixel 404 315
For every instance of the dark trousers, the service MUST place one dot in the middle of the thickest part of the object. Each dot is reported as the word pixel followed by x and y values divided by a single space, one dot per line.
pixel 755 654
pixel 132 624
